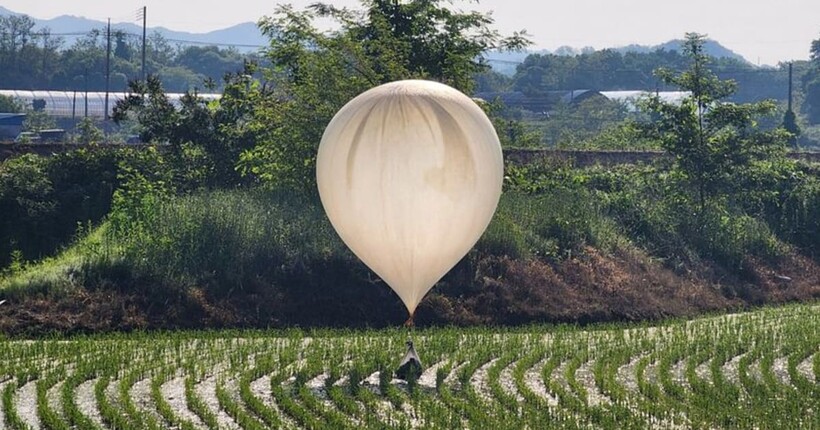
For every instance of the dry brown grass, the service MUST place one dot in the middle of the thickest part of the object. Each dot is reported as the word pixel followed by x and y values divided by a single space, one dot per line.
pixel 626 285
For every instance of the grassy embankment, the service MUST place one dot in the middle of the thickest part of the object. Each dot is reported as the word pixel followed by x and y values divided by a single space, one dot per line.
pixel 566 245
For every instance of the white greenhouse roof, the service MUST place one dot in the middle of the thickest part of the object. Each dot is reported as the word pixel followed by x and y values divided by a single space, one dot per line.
pixel 73 103
pixel 632 96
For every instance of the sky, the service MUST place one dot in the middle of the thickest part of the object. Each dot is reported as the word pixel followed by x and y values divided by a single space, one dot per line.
pixel 763 31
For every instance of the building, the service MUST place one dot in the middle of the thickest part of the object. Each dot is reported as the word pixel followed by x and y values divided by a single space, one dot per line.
pixel 547 101
pixel 11 124
pixel 79 104
pixel 629 98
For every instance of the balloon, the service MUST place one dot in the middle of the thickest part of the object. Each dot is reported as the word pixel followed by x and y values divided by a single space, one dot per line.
pixel 410 174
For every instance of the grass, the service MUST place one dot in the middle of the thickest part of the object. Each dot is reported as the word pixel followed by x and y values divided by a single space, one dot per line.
pixel 228 241
pixel 60 273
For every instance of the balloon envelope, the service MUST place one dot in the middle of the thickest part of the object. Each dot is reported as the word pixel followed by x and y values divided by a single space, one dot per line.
pixel 410 175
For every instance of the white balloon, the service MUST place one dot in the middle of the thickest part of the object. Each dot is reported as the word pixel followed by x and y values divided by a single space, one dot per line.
pixel 410 175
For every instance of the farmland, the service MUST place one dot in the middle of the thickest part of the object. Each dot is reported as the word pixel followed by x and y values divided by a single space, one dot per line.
pixel 751 370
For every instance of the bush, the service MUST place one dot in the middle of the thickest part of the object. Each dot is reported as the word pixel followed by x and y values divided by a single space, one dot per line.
pixel 44 199
pixel 798 220
pixel 652 211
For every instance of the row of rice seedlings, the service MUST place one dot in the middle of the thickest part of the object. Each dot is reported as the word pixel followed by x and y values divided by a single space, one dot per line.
pixel 536 407
pixel 163 407
pixel 289 391
pixel 50 418
pixel 198 405
pixel 247 363
pixel 309 411
pixel 555 375
pixel 196 371
pixel 71 410
pixel 10 415
pixel 609 357
pixel 506 405
pixel 459 399
pixel 239 414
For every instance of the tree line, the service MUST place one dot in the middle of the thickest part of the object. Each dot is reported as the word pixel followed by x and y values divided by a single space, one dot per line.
pixel 36 59
pixel 610 70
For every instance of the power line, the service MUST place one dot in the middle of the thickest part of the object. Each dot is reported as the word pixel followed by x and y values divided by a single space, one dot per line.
pixel 489 60
pixel 750 70
pixel 135 35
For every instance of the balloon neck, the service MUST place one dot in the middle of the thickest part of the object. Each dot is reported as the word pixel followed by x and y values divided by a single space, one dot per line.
pixel 409 322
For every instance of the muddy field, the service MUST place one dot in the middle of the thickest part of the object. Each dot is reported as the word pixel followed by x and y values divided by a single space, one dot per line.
pixel 750 370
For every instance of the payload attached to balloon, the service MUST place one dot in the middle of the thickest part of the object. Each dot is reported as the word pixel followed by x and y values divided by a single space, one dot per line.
pixel 410 174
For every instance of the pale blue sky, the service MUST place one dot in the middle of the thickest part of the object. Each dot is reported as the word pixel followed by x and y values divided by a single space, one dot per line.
pixel 765 31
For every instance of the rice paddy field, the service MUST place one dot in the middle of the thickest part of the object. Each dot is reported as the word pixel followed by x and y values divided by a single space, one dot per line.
pixel 750 370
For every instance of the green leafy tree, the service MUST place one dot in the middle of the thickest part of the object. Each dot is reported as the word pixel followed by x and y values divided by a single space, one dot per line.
pixel 811 82
pixel 150 107
pixel 8 104
pixel 37 120
pixel 713 142
pixel 790 125
pixel 210 61
pixel 88 133
pixel 202 135
pixel 315 73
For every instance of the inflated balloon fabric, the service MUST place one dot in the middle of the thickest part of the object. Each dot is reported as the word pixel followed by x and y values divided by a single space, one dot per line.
pixel 410 174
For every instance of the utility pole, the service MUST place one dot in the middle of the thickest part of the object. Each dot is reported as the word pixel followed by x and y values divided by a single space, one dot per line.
pixel 144 11
pixel 107 66
pixel 790 86
pixel 86 92
pixel 45 53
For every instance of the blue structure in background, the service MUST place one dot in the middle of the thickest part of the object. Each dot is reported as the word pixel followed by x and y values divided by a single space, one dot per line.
pixel 11 124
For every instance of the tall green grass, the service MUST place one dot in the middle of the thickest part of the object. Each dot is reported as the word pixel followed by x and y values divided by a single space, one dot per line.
pixel 253 239
pixel 226 239
pixel 555 223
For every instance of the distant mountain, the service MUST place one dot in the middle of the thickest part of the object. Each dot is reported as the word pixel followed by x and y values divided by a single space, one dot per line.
pixel 245 36
pixel 711 47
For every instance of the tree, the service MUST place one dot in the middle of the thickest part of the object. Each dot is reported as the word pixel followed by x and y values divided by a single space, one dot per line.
pixel 215 131
pixel 713 142
pixel 812 100
pixel 88 133
pixel 150 107
pixel 26 56
pixel 9 104
pixel 790 125
pixel 812 85
pixel 209 61
pixel 121 48
pixel 314 73
pixel 37 120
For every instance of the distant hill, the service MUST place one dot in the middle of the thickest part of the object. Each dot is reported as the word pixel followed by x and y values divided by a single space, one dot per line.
pixel 245 36
pixel 505 62
pixel 711 47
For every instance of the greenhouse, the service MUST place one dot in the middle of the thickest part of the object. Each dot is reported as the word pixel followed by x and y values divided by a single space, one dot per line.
pixel 78 104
